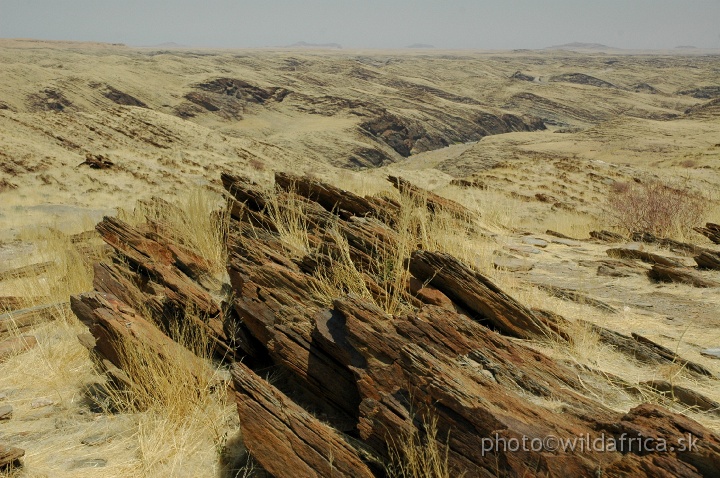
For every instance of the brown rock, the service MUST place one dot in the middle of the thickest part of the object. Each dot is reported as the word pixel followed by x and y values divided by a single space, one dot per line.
pixel 662 273
pixel 430 295
pixel 434 202
pixel 21 320
pixel 476 293
pixel 684 395
pixel 607 236
pixel 649 257
pixel 669 243
pixel 542 197
pixel 634 346
pixel 275 304
pixel 97 161
pixel 115 326
pixel 344 203
pixel 31 270
pixel 245 191
pixel 16 346
pixel 575 296
pixel 10 456
pixel 708 260
pixel 711 231
pixel 559 235
pixel 173 279
pixel 417 363
pixel 285 439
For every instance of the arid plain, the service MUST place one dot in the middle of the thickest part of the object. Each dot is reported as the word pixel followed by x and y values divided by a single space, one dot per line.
pixel 534 143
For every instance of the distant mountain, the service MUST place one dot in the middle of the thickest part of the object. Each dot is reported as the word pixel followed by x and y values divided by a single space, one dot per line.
pixel 168 45
pixel 686 47
pixel 420 46
pixel 581 46
pixel 302 44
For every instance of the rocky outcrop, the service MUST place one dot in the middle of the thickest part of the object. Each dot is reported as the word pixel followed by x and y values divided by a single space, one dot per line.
pixel 575 296
pixel 23 319
pixel 475 293
pixel 401 135
pixel 122 98
pixel 228 97
pixel 281 436
pixel 434 202
pixel 97 161
pixel 49 99
pixel 114 327
pixel 664 273
pixel 582 79
pixel 519 75
pixel 709 109
pixel 607 236
pixel 152 273
pixel 449 365
pixel 645 88
pixel 684 395
pixel 410 136
pixel 704 92
pixel 711 231
pixel 669 243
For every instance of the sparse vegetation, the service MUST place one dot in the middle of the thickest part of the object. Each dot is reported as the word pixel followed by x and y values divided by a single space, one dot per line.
pixel 656 207
pixel 198 220
pixel 175 417
pixel 420 454
pixel 171 423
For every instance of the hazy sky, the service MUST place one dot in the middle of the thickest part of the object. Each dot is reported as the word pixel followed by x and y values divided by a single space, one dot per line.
pixel 485 24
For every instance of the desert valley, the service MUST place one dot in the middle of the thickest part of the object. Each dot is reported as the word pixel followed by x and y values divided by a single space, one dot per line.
pixel 314 262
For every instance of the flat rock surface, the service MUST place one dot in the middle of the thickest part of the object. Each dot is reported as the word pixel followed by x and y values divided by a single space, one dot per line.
pixel 534 241
pixel 712 352
pixel 512 264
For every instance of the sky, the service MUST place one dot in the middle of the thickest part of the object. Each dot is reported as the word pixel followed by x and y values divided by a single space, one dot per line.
pixel 450 24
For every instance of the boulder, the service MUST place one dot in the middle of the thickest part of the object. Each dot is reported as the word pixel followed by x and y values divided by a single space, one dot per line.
pixel 476 293
pixel 708 260
pixel 10 456
pixel 711 231
pixel 649 257
pixel 663 273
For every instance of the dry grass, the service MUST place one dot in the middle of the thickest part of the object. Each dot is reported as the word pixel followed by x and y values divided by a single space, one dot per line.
pixel 415 227
pixel 69 268
pixel 168 425
pixel 571 224
pixel 290 219
pixel 182 407
pixel 199 220
pixel 660 208
pixel 419 454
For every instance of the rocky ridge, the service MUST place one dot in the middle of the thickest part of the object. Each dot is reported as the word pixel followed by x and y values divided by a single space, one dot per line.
pixel 451 365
